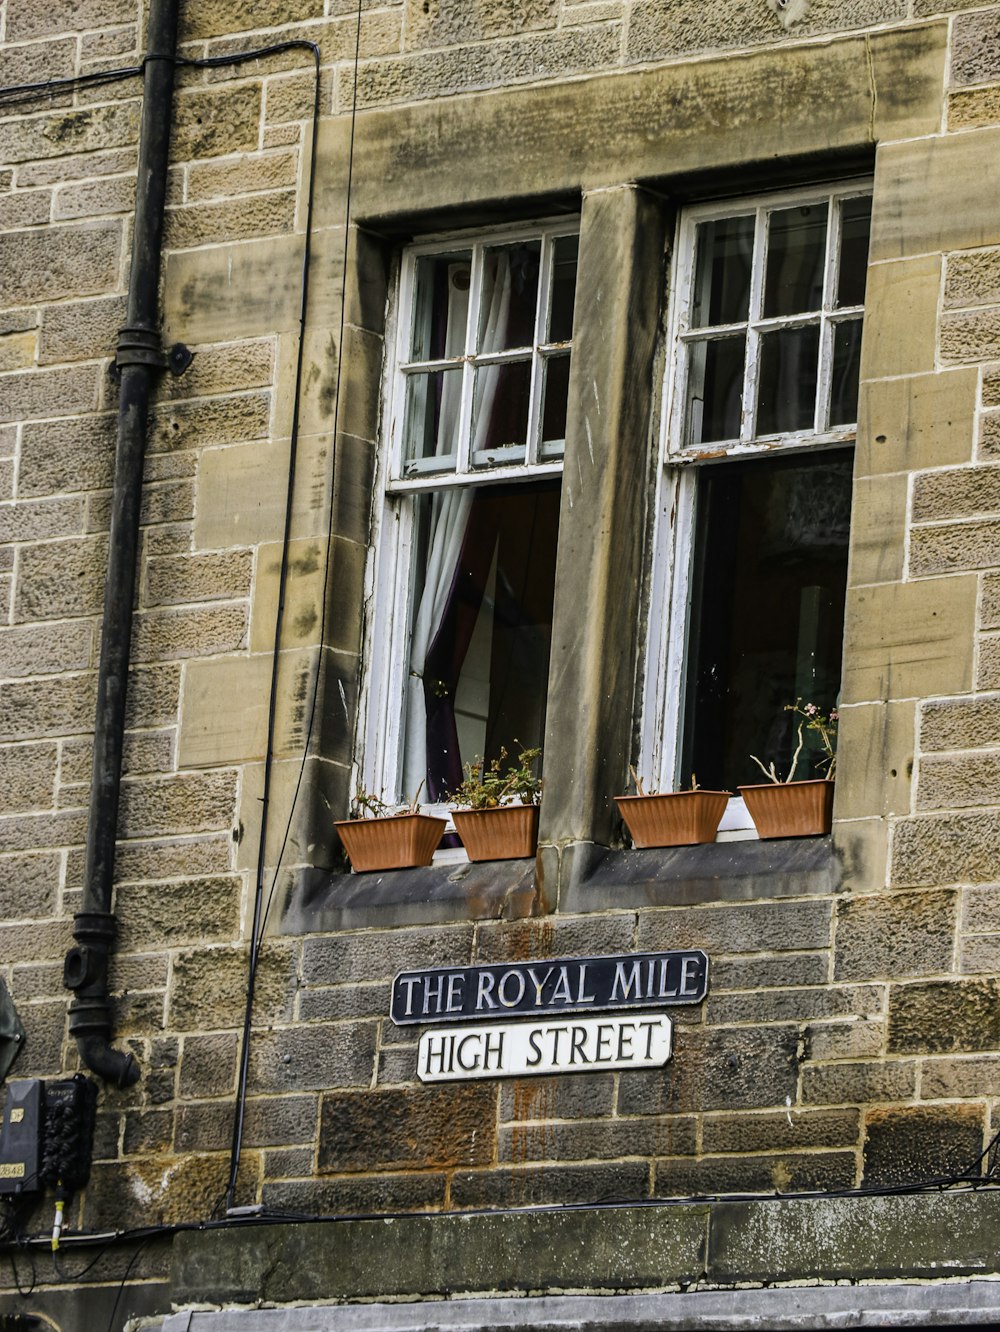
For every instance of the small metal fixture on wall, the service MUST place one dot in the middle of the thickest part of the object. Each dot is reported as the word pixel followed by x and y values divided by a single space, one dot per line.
pixel 789 12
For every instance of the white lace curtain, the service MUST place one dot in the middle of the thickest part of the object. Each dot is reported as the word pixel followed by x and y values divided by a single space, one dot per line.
pixel 450 506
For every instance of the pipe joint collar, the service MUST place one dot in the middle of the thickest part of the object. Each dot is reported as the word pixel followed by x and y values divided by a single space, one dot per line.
pixel 140 345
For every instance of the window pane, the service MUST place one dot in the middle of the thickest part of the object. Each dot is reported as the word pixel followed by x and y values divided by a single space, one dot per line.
pixel 796 251
pixel 767 611
pixel 855 227
pixel 715 390
pixel 481 627
pixel 786 394
pixel 722 272
pixel 500 413
pixel 431 424
pixel 555 395
pixel 565 250
pixel 441 306
pixel 846 372
pixel 510 296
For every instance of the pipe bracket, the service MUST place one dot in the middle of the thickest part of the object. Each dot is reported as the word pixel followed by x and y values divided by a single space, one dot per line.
pixel 138 345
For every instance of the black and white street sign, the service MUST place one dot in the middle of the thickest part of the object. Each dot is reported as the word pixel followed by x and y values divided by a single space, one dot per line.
pixel 520 1049
pixel 549 987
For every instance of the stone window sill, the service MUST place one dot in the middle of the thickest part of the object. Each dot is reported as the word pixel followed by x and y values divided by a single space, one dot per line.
pixel 595 879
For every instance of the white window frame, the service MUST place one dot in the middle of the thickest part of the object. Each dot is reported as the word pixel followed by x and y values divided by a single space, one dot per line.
pixel 665 677
pixel 389 572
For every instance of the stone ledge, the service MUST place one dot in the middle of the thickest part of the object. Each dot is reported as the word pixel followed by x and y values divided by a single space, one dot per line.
pixel 324 902
pixel 920 1237
pixel 600 880
pixel 592 878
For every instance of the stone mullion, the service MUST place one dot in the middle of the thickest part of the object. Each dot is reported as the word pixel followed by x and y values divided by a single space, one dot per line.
pixel 605 499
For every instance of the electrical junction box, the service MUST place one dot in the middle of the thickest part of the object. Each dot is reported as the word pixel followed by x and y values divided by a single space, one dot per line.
pixel 20 1137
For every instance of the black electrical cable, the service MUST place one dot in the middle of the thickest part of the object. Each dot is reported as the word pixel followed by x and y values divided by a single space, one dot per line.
pixel 256 929
pixel 28 92
pixel 121 1285
pixel 333 479
pixel 958 1182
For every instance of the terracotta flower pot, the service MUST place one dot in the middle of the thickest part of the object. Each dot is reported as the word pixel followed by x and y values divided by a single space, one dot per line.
pixel 399 842
pixel 507 833
pixel 676 818
pixel 790 809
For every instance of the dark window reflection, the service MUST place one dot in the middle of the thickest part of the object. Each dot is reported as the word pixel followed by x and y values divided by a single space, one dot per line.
pixel 767 610
pixel 789 364
pixel 565 250
pixel 855 227
pixel 846 372
pixel 510 272
pixel 500 411
pixel 722 272
pixel 715 390
pixel 555 400
pixel 796 257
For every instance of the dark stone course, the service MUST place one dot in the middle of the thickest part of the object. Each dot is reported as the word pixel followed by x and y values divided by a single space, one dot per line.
pixel 937 1017
pixel 530 1186
pixel 209 1065
pixel 555 936
pixel 904 934
pixel 380 954
pixel 344 1001
pixel 147 1131
pixel 425 1128
pixel 750 973
pixel 587 1140
pixel 159 1085
pixel 780 1173
pixel 313 1057
pixel 904 1144
pixel 397 1065
pixel 106 1130
pixel 289 1163
pixel 779 1130
pixel 388 1194
pixel 587 1097
pixel 732 1068
pixel 751 928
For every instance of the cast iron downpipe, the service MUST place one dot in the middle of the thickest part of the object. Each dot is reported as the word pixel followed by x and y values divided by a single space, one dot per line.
pixel 139 359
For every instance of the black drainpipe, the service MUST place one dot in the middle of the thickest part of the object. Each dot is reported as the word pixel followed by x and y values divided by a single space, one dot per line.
pixel 139 358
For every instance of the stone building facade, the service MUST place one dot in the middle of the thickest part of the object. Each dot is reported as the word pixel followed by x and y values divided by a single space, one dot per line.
pixel 848 1049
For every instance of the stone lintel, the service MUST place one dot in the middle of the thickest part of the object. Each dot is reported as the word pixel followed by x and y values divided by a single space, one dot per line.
pixel 555 140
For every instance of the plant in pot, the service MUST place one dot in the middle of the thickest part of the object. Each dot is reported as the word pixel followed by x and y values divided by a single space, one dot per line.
pixel 784 807
pixel 496 807
pixel 672 818
pixel 378 836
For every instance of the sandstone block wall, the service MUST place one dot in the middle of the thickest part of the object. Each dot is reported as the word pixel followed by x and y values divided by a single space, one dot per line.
pixel 848 1035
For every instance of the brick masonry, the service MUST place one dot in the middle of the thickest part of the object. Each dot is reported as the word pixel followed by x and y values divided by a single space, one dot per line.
pixel 849 1037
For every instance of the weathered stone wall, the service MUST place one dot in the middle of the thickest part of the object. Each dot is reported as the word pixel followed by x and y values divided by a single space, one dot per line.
pixel 849 1035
